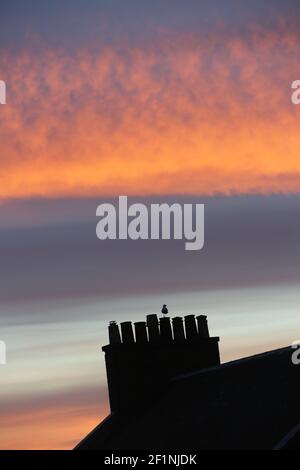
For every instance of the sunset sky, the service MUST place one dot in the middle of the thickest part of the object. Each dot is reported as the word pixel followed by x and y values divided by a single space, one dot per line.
pixel 163 101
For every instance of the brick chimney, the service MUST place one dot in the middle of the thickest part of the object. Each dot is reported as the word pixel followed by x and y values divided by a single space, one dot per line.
pixel 140 363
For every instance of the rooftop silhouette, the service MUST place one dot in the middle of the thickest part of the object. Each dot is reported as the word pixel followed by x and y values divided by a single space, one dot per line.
pixel 168 390
pixel 141 359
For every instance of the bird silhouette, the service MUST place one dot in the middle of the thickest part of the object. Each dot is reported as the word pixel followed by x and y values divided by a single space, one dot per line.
pixel 164 309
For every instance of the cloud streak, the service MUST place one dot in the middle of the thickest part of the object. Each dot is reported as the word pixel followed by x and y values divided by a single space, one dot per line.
pixel 249 241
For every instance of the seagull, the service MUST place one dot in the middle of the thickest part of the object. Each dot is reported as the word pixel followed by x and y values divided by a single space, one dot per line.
pixel 164 309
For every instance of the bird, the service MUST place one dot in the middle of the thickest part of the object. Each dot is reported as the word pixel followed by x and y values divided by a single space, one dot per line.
pixel 164 309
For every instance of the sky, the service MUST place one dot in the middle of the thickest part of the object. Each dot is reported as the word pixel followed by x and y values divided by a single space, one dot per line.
pixel 163 101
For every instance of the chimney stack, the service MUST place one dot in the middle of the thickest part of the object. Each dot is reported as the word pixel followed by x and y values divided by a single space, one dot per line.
pixel 139 366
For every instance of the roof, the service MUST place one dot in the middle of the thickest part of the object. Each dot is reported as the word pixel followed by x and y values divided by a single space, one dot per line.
pixel 251 403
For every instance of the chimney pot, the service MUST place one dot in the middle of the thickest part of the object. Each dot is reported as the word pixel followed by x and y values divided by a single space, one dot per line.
pixel 127 332
pixel 190 327
pixel 202 326
pixel 153 328
pixel 165 330
pixel 114 333
pixel 178 330
pixel 141 332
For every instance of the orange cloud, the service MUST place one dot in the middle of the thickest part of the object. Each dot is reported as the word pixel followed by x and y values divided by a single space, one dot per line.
pixel 184 115
pixel 52 426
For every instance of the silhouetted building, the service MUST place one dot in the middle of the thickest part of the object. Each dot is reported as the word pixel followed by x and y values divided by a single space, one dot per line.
pixel 168 391
pixel 141 361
